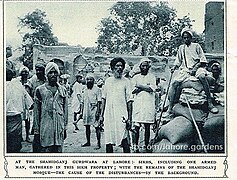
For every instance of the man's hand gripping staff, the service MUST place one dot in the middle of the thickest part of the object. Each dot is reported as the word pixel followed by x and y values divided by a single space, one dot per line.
pixel 128 124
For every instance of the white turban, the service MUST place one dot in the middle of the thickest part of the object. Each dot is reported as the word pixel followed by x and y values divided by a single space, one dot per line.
pixel 100 81
pixel 90 75
pixel 127 69
pixel 50 66
pixel 145 59
pixel 22 68
pixel 65 76
pixel 188 30
pixel 216 64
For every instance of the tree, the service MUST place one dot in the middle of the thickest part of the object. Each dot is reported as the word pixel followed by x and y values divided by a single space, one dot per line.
pixel 36 29
pixel 147 27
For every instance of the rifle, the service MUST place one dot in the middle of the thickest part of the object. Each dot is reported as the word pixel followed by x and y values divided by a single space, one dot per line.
pixel 124 120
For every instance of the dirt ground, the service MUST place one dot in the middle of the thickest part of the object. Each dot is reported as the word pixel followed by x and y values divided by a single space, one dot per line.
pixel 75 139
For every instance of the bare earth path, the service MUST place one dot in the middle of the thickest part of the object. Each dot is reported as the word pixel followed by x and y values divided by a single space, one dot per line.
pixel 73 142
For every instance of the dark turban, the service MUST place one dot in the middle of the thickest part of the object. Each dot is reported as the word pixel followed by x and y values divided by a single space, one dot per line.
pixel 115 61
pixel 11 66
pixel 40 65
pixel 9 74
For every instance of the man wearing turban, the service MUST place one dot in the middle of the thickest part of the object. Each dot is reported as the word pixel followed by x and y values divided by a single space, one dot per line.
pixel 17 100
pixel 116 106
pixel 77 90
pixel 90 107
pixel 38 78
pixel 35 81
pixel 144 85
pixel 190 61
pixel 23 77
pixel 50 112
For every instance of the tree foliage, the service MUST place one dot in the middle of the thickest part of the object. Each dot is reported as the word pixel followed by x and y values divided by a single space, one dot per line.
pixel 145 27
pixel 35 29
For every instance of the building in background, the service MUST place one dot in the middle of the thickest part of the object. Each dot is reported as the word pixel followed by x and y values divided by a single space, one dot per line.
pixel 214 27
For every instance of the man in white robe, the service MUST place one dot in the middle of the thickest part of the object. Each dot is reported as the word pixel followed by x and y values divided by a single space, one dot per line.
pixel 190 61
pixel 116 105
pixel 90 107
pixel 77 90
pixel 144 85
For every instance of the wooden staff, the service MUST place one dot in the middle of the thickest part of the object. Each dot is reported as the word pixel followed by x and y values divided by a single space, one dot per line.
pixel 157 124
pixel 195 124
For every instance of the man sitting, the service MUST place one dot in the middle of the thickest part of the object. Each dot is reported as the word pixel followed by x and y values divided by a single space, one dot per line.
pixel 190 61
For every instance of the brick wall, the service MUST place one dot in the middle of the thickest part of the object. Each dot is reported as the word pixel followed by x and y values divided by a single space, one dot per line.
pixel 214 27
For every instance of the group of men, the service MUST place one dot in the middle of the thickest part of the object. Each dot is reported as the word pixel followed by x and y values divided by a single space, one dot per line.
pixel 122 106
pixel 47 98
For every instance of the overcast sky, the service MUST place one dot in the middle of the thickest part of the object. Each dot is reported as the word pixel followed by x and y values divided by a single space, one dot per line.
pixel 75 22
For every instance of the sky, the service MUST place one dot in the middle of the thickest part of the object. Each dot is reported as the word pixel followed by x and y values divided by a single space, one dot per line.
pixel 75 22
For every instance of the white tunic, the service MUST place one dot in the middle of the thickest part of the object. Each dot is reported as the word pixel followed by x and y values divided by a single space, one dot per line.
pixel 117 93
pixel 17 98
pixel 187 56
pixel 77 90
pixel 90 99
pixel 144 102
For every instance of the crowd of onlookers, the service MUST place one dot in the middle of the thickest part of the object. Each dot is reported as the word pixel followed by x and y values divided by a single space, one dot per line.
pixel 117 105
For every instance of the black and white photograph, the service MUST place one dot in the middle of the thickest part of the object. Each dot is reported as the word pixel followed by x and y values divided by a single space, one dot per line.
pixel 116 79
